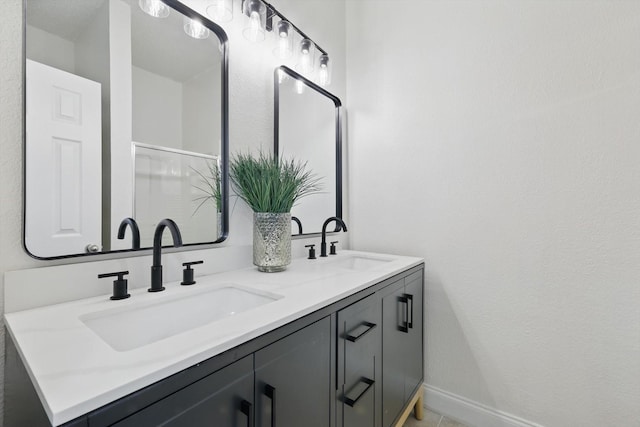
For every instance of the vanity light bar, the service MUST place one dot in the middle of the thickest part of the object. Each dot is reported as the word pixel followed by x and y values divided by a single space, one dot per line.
pixel 306 47
pixel 272 11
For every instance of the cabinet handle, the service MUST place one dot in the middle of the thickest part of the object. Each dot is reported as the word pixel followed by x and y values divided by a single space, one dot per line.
pixel 369 326
pixel 270 392
pixel 410 300
pixel 367 385
pixel 405 314
pixel 246 408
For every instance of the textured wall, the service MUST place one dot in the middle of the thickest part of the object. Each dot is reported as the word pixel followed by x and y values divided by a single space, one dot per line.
pixel 251 113
pixel 500 141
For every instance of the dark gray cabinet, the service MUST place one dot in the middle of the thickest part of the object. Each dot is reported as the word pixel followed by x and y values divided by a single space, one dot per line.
pixel 293 379
pixel 402 344
pixel 354 363
pixel 359 371
pixel 224 398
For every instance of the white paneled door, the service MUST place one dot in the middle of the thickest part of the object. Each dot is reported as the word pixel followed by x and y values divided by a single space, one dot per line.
pixel 63 162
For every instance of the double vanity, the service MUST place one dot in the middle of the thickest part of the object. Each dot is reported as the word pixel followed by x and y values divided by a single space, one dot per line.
pixel 142 122
pixel 336 341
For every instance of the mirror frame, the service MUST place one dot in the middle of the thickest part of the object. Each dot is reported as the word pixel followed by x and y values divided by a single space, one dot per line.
pixel 224 134
pixel 338 131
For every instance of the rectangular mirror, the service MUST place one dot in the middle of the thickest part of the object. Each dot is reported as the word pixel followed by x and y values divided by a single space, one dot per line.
pixel 126 116
pixel 308 127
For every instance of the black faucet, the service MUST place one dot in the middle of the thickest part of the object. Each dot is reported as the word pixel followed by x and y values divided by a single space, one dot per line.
pixel 297 221
pixel 340 226
pixel 135 231
pixel 156 268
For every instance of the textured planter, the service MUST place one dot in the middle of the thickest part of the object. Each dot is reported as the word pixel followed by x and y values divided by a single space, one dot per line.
pixel 271 241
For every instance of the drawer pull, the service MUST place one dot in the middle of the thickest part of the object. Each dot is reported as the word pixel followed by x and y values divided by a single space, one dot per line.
pixel 404 307
pixel 362 387
pixel 270 392
pixel 246 408
pixel 367 326
pixel 410 319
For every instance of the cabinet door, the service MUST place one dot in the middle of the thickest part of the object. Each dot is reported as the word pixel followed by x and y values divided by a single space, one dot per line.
pixel 359 347
pixel 222 399
pixel 414 353
pixel 394 351
pixel 293 379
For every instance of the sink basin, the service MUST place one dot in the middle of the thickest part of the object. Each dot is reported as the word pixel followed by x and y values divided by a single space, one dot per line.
pixel 128 328
pixel 360 263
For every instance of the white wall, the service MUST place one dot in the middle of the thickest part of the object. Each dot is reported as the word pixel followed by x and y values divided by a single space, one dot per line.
pixel 156 109
pixel 201 113
pixel 251 119
pixel 507 135
pixel 50 49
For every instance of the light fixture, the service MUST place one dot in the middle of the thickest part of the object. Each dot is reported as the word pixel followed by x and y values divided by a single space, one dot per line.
pixel 324 70
pixel 255 12
pixel 221 10
pixel 284 37
pixel 155 8
pixel 195 29
pixel 305 56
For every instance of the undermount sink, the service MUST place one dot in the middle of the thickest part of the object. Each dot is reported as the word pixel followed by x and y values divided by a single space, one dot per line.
pixel 128 328
pixel 355 262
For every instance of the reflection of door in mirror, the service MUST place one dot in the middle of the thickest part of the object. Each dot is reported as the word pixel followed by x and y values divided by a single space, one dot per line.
pixel 307 130
pixel 63 146
pixel 155 86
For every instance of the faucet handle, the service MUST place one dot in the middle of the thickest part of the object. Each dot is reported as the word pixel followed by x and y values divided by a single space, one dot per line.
pixel 312 251
pixel 332 249
pixel 187 273
pixel 119 285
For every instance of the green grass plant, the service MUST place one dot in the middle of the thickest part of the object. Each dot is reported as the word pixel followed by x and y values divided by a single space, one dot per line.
pixel 271 184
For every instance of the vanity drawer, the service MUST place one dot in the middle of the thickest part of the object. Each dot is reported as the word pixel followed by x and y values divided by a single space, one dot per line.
pixel 223 398
pixel 359 348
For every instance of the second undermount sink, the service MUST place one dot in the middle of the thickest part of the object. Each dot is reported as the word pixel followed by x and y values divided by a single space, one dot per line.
pixel 360 263
pixel 131 327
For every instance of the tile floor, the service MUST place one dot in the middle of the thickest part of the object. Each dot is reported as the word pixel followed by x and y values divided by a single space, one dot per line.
pixel 431 419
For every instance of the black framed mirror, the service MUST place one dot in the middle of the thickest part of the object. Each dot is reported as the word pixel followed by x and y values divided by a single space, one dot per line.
pixel 308 127
pixel 126 116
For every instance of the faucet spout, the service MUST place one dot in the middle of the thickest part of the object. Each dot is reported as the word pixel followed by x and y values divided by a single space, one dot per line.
pixel 297 221
pixel 156 268
pixel 340 226
pixel 135 231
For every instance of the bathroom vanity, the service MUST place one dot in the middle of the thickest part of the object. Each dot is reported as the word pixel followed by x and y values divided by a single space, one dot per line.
pixel 330 342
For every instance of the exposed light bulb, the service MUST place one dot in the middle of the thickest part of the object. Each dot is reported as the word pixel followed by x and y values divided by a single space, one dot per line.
pixel 254 21
pixel 195 29
pixel 323 75
pixel 324 72
pixel 155 8
pixel 284 48
pixel 305 57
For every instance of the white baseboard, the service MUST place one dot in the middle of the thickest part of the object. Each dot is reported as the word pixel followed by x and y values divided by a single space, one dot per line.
pixel 469 412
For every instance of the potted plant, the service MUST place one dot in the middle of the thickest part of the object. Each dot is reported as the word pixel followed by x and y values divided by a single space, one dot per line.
pixel 271 186
pixel 210 185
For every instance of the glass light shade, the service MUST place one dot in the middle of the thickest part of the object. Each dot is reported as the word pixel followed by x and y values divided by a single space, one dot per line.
pixel 255 12
pixel 306 51
pixel 195 28
pixel 221 10
pixel 324 70
pixel 155 8
pixel 284 38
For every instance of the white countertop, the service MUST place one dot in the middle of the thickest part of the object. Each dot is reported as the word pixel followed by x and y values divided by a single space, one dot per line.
pixel 74 371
